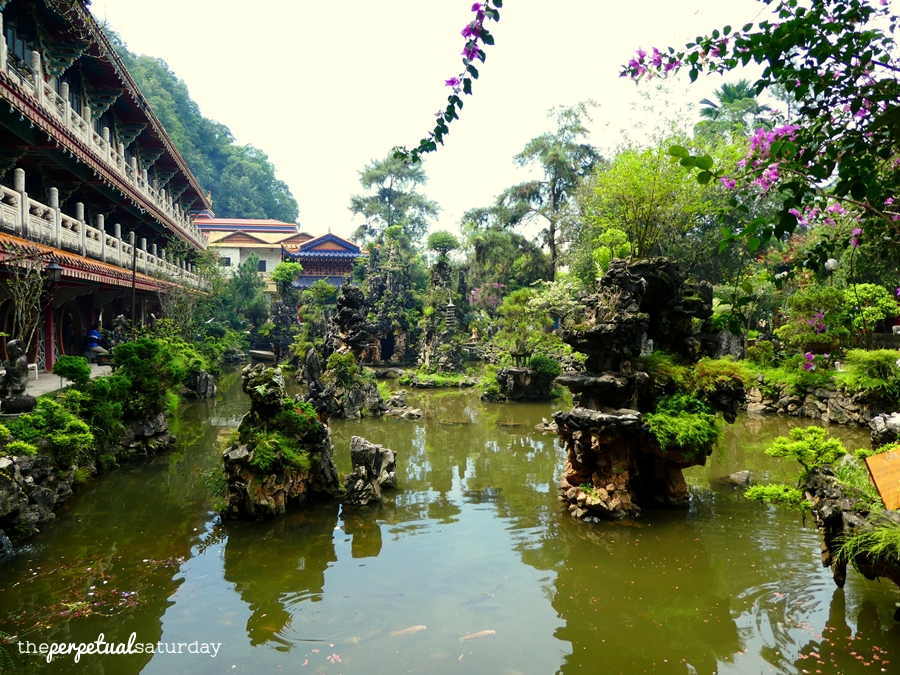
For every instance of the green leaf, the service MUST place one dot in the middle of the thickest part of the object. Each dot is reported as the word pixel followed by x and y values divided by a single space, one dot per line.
pixel 752 244
pixel 705 162
pixel 688 161
pixel 679 151
pixel 467 86
pixel 704 177
pixel 497 3
pixel 726 30
pixel 693 74
pixel 858 190
pixel 473 71
pixel 487 38
pixel 746 286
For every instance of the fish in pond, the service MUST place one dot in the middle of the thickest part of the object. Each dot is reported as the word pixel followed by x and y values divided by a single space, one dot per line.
pixel 475 636
pixel 456 422
pixel 627 523
pixel 509 424
pixel 406 631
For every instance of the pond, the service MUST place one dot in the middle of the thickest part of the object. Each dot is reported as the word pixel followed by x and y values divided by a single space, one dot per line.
pixel 471 566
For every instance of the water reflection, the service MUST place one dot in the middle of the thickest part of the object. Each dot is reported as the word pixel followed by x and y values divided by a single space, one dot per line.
pixel 473 542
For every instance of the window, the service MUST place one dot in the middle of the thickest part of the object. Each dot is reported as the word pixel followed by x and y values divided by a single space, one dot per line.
pixel 224 262
pixel 261 267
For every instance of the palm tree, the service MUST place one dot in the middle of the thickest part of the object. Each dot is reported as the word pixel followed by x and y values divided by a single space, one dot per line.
pixel 736 107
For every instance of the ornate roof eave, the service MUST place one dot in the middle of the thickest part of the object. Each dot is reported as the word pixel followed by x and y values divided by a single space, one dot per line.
pixel 12 94
pixel 81 269
pixel 105 50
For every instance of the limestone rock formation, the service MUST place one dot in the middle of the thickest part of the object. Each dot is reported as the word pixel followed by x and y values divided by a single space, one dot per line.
pixel 838 511
pixel 31 487
pixel 615 465
pixel 885 429
pixel 441 348
pixel 283 455
pixel 388 290
pixel 200 385
pixel 374 470
pixel 524 384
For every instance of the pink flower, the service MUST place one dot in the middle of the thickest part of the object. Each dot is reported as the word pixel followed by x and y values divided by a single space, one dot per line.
pixel 898 291
pixel 452 82
pixel 470 51
pixel 888 201
pixel 472 30
pixel 641 54
pixel 476 7
pixel 657 57
pixel 728 182
pixel 854 242
pixel 671 65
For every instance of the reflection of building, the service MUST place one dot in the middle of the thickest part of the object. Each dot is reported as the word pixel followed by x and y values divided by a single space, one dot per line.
pixel 236 238
pixel 328 258
pixel 88 177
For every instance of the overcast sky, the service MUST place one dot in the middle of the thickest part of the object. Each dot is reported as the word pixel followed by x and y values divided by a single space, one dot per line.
pixel 325 87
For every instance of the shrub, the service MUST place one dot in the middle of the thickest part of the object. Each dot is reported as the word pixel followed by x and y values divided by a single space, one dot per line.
pixel 73 368
pixel 20 448
pixel 272 448
pixel 682 422
pixel 71 440
pixel 545 366
pixel 710 375
pixel 872 372
pixel 666 374
pixel 762 354
pixel 297 420
pixel 869 304
pixel 342 369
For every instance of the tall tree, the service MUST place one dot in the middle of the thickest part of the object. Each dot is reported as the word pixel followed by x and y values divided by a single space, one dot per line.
pixel 565 158
pixel 392 201
pixel 735 111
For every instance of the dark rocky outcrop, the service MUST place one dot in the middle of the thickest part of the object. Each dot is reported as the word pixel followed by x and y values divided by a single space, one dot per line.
pixel 398 407
pixel 388 290
pixel 31 487
pixel 615 465
pixel 441 349
pixel 524 384
pixel 350 401
pixel 262 478
pixel 347 331
pixel 839 511
pixel 374 470
pixel 199 385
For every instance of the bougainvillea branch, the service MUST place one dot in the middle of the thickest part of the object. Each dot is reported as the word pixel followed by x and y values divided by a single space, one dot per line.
pixel 477 37
pixel 836 58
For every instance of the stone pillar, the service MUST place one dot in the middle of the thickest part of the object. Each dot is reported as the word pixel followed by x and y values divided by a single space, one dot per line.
pixel 101 225
pixel 134 167
pixel 64 94
pixel 79 211
pixel 86 116
pixel 19 186
pixel 57 215
pixel 2 46
pixel 117 231
pixel 105 134
pixel 38 76
pixel 153 250
pixel 49 335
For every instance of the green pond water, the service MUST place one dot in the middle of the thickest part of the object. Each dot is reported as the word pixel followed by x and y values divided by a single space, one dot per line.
pixel 473 540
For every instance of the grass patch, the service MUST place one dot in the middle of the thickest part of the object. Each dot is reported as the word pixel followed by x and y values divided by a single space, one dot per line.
pixel 779 493
pixel 881 541
pixel 872 372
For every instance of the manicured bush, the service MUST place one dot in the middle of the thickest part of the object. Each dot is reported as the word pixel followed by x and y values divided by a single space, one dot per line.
pixel 70 439
pixel 20 448
pixel 73 368
pixel 342 369
pixel 545 366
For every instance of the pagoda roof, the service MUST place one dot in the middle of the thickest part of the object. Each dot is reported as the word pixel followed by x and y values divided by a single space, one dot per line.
pixel 244 239
pixel 325 246
pixel 207 224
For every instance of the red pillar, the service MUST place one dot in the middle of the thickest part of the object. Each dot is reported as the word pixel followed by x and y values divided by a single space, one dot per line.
pixel 49 336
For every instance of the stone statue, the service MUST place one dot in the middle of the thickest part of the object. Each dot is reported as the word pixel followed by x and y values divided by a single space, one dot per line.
pixel 15 381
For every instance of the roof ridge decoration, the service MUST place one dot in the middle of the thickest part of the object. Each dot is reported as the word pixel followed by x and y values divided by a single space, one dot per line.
pixel 329 237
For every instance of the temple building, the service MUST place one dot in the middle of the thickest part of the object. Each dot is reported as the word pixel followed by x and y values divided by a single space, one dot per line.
pixel 236 238
pixel 92 190
pixel 327 257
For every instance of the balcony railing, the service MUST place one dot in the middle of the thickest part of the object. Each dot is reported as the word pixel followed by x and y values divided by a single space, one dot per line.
pixel 58 107
pixel 46 224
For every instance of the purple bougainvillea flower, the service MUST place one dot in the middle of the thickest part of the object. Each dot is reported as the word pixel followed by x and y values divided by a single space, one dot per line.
pixel 728 182
pixel 470 51
pixel 452 82
pixel 898 291
pixel 476 7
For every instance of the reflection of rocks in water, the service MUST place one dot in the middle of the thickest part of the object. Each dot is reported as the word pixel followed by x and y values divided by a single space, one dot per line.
pixel 831 653
pixel 650 609
pixel 365 529
pixel 279 575
pixel 481 495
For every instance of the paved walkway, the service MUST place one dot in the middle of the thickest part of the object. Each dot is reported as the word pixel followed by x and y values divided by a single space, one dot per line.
pixel 48 382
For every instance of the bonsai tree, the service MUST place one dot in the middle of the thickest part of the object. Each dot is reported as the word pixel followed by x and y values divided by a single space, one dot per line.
pixel 442 242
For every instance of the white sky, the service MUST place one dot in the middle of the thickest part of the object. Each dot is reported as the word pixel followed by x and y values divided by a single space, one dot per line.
pixel 325 87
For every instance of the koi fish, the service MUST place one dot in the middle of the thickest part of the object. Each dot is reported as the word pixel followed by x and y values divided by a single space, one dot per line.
pixel 407 631
pixel 475 636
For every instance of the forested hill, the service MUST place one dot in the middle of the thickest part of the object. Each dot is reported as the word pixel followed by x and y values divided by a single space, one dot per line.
pixel 240 177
